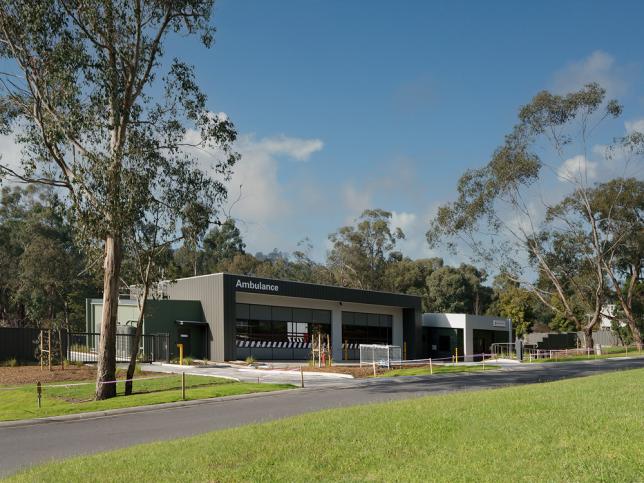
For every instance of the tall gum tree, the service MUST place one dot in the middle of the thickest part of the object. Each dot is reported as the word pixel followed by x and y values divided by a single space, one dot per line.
pixel 512 223
pixel 78 93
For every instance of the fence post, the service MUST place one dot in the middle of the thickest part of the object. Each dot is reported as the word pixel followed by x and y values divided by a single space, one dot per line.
pixel 49 349
pixel 183 386
pixel 42 347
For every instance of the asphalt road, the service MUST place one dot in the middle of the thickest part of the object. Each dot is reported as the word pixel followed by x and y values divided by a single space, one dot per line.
pixel 24 446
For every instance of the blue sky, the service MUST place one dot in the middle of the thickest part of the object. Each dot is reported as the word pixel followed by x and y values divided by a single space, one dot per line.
pixel 385 104
pixel 345 105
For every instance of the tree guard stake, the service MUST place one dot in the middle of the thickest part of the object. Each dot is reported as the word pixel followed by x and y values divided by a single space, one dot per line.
pixel 39 393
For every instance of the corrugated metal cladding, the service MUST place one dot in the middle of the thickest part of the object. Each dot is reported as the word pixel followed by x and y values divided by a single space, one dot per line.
pixel 209 290
pixel 217 295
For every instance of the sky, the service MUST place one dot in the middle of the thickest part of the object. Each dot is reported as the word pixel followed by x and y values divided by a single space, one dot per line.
pixel 346 105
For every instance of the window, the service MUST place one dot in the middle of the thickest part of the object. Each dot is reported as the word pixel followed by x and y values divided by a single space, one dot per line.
pixel 271 332
pixel 361 328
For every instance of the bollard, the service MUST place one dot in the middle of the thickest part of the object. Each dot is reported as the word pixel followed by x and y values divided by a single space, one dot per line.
pixel 374 368
pixel 405 350
pixel 302 375
pixel 180 346
pixel 456 356
pixel 183 386
pixel 39 392
pixel 431 369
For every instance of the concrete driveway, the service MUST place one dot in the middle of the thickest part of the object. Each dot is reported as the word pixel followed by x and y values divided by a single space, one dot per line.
pixel 248 374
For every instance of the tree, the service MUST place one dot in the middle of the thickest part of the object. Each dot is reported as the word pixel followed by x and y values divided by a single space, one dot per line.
pixel 494 214
pixel 221 243
pixel 619 208
pixel 84 111
pixel 410 276
pixel 360 253
pixel 43 276
pixel 457 290
pixel 513 302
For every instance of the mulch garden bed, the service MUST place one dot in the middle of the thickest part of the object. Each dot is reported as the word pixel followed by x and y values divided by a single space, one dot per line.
pixel 33 374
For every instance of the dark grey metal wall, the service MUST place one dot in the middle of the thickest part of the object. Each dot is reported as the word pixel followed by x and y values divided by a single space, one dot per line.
pixel 411 305
pixel 217 295
pixel 19 343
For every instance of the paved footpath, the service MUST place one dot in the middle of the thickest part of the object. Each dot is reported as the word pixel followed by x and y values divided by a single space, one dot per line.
pixel 22 446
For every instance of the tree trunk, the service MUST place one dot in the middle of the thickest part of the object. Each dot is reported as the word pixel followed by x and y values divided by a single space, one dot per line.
pixel 635 330
pixel 137 339
pixel 588 336
pixel 106 369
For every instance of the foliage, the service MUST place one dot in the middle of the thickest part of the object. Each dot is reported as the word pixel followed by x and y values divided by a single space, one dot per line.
pixel 360 254
pixel 85 113
pixel 457 290
pixel 494 217
pixel 44 277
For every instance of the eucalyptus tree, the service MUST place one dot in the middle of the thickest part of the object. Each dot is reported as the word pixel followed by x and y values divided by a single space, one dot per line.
pixel 506 221
pixel 360 253
pixel 99 115
pixel 179 213
pixel 619 209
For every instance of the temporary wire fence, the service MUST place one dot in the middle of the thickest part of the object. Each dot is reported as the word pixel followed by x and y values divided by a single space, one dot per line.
pixel 73 391
pixel 587 352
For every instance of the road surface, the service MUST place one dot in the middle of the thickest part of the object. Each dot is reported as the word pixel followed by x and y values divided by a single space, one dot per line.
pixel 24 446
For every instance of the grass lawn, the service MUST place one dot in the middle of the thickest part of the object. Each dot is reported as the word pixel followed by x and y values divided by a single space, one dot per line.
pixel 587 429
pixel 21 403
pixel 613 352
pixel 438 369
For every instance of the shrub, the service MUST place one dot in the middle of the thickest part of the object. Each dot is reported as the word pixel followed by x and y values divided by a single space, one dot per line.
pixel 13 362
pixel 250 360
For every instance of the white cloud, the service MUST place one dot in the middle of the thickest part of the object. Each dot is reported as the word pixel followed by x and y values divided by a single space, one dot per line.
pixel 263 200
pixel 403 220
pixel 296 148
pixel 598 67
pixel 356 201
pixel 577 168
pixel 263 196
pixel 10 152
pixel 632 126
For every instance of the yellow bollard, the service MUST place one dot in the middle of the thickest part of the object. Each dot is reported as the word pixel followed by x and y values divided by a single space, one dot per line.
pixel 431 369
pixel 405 350
pixel 180 346
pixel 456 355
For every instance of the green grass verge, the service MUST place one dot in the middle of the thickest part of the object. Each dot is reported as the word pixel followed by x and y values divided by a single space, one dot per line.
pixel 585 357
pixel 21 403
pixel 587 429
pixel 437 369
